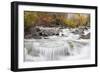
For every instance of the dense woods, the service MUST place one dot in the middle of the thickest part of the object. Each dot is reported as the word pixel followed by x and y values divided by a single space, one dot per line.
pixel 54 19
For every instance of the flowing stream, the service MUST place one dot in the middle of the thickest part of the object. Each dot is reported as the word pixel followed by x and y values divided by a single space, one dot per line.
pixel 56 48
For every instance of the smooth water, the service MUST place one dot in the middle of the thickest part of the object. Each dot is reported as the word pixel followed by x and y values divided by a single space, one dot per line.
pixel 49 49
pixel 67 47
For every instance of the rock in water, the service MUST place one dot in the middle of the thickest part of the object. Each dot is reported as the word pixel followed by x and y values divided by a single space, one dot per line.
pixel 85 36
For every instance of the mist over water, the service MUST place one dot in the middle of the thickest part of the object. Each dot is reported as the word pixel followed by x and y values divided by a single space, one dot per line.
pixel 67 47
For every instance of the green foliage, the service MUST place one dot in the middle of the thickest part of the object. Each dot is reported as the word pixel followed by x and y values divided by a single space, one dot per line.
pixel 49 19
pixel 69 23
pixel 30 18
pixel 77 20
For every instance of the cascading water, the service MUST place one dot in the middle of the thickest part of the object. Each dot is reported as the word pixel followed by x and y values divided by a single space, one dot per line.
pixel 57 48
pixel 49 49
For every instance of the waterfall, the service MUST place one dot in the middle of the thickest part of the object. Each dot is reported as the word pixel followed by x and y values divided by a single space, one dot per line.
pixel 55 49
pixel 66 46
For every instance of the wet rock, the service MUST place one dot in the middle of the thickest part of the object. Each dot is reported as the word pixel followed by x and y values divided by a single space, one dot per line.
pixel 78 31
pixel 85 36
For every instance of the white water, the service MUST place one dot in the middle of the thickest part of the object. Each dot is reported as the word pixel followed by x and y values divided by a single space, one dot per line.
pixel 57 48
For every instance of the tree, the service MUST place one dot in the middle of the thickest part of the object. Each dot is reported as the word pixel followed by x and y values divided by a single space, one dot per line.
pixel 30 18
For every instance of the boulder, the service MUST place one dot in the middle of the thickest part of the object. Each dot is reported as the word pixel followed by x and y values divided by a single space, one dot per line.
pixel 85 36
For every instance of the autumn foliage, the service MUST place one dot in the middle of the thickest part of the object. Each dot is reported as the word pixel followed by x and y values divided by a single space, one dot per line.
pixel 53 19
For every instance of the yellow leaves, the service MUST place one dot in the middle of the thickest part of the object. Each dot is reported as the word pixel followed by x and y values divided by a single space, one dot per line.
pixel 30 18
pixel 49 18
pixel 77 20
pixel 70 23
